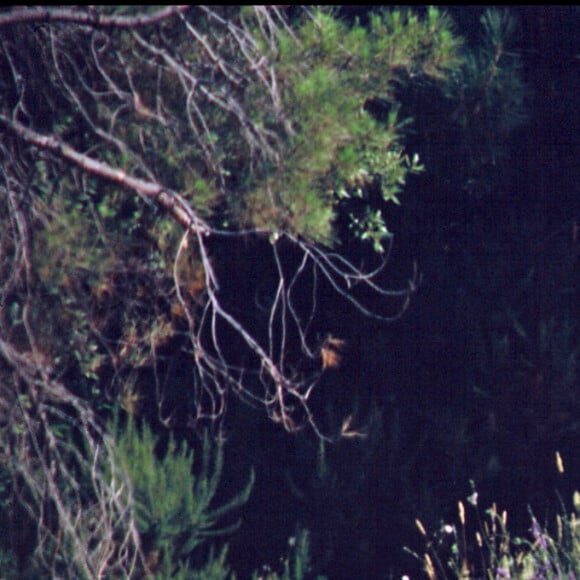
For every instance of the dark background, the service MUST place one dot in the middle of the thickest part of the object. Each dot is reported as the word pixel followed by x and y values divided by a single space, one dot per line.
pixel 478 381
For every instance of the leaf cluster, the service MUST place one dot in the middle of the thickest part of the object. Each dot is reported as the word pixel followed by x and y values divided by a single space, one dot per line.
pixel 256 123
pixel 340 145
pixel 174 508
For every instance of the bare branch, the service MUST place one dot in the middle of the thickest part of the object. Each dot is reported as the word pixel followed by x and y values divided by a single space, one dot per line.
pixel 45 15
pixel 113 100
pixel 173 203
pixel 98 524
pixel 196 107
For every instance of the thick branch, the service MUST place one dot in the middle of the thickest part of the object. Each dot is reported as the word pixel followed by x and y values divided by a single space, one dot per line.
pixel 44 14
pixel 172 202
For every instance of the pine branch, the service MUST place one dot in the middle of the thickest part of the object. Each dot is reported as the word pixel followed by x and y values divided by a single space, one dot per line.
pixel 172 202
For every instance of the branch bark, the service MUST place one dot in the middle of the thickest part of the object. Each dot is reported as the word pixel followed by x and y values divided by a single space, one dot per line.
pixel 171 201
pixel 93 18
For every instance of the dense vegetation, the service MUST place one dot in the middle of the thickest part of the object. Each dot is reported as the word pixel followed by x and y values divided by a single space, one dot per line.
pixel 272 273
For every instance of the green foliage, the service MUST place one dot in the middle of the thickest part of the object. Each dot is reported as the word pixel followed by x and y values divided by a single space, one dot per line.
pixel 322 135
pixel 337 149
pixel 174 508
pixel 474 112
pixel 277 158
pixel 491 77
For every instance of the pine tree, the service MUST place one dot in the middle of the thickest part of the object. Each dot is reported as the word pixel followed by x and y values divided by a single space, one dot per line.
pixel 146 154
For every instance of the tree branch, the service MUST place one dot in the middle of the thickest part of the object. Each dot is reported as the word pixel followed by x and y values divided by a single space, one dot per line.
pixel 172 202
pixel 93 18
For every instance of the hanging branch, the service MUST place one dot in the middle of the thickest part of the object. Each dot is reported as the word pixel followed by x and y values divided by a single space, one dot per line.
pixel 209 115
pixel 233 55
